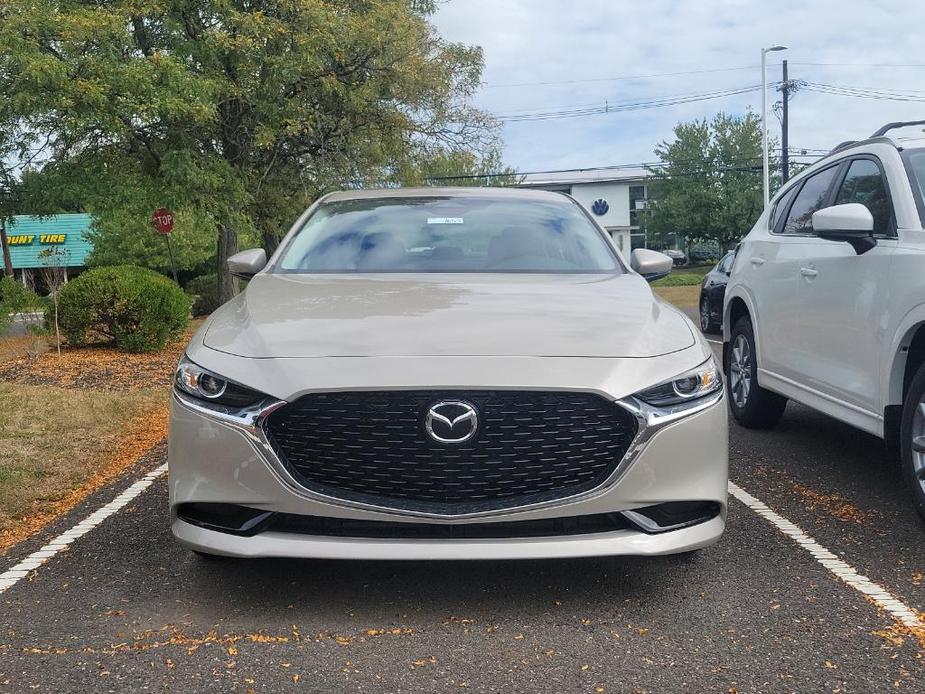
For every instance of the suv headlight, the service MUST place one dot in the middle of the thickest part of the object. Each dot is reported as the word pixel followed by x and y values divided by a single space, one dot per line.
pixel 202 384
pixel 691 385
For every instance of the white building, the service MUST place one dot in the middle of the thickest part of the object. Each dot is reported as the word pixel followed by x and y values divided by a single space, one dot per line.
pixel 615 196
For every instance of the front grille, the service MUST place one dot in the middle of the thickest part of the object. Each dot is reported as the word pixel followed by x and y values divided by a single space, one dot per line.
pixel 529 447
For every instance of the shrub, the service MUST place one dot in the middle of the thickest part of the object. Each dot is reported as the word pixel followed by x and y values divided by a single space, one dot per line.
pixel 137 309
pixel 16 298
pixel 204 290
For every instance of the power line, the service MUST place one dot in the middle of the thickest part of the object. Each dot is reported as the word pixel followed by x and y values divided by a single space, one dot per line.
pixel 680 73
pixel 654 102
pixel 753 168
pixel 596 108
pixel 864 93
pixel 889 90
pixel 739 164
pixel 910 65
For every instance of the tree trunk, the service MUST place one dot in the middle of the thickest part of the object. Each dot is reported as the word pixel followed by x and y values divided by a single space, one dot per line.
pixel 57 328
pixel 270 242
pixel 7 261
pixel 227 247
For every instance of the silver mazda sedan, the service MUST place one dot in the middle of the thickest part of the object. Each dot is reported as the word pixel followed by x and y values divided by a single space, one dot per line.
pixel 447 374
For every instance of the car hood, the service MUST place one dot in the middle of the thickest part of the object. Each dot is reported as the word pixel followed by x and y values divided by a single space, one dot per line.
pixel 283 315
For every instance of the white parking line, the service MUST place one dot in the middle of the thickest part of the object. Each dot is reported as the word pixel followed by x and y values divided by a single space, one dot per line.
pixel 13 575
pixel 844 571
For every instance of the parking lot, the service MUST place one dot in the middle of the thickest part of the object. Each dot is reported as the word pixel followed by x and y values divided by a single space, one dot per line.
pixel 125 608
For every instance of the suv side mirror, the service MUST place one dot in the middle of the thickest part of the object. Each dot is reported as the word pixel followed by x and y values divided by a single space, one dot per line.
pixel 246 264
pixel 651 264
pixel 851 222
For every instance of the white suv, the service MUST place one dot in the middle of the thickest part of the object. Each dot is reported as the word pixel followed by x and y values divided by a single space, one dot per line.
pixel 826 300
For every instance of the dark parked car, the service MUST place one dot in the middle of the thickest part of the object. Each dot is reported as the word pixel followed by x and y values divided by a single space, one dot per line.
pixel 712 292
pixel 677 257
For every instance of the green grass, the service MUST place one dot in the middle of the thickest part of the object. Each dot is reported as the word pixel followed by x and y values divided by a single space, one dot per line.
pixel 686 277
pixel 54 439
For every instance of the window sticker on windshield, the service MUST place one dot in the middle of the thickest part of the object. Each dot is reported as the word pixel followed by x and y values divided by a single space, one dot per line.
pixel 444 220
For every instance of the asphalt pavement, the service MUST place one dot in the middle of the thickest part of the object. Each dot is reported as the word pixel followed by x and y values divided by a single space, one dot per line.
pixel 126 609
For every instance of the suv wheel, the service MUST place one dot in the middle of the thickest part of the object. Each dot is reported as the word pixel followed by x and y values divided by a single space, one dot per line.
pixel 912 440
pixel 707 324
pixel 751 405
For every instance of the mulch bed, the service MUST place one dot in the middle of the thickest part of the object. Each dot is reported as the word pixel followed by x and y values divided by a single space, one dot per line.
pixel 97 368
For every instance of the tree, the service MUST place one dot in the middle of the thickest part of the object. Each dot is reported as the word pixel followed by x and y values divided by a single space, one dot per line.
pixel 54 272
pixel 235 113
pixel 466 169
pixel 708 185
pixel 9 136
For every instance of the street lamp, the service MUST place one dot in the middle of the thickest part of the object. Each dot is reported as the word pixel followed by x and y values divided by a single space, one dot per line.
pixel 764 118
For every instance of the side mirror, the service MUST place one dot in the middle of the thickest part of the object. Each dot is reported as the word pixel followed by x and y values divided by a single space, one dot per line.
pixel 851 222
pixel 651 264
pixel 246 264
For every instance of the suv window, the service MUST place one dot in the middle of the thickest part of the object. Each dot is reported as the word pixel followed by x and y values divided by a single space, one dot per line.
pixel 780 207
pixel 812 196
pixel 915 165
pixel 725 265
pixel 864 184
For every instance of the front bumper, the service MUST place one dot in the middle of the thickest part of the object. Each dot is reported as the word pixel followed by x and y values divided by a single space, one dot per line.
pixel 214 461
pixel 271 544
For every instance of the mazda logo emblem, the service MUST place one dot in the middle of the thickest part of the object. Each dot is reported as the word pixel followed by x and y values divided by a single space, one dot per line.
pixel 451 421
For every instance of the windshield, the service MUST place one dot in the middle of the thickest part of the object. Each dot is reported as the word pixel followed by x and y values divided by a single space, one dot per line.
pixel 448 234
pixel 915 161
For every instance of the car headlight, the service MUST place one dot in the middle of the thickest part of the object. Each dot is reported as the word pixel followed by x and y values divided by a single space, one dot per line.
pixel 202 384
pixel 691 385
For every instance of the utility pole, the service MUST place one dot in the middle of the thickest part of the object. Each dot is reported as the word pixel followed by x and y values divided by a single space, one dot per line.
pixel 764 118
pixel 7 260
pixel 784 135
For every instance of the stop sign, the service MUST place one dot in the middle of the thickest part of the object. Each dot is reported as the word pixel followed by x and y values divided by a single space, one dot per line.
pixel 162 219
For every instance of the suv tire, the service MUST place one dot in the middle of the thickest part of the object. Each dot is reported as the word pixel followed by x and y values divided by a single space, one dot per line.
pixel 912 428
pixel 751 405
pixel 707 324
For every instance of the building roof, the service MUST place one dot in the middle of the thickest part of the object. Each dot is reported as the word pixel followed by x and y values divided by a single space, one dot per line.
pixel 577 176
pixel 29 236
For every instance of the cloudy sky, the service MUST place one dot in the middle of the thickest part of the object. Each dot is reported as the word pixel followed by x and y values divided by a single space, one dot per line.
pixel 590 52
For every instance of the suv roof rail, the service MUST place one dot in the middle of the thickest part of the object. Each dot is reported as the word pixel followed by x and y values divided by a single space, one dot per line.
pixel 842 145
pixel 892 126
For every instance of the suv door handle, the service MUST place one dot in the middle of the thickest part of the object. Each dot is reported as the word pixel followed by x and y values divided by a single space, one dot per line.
pixel 757 261
pixel 808 272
